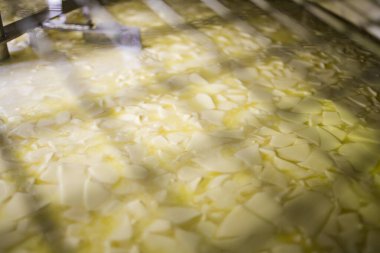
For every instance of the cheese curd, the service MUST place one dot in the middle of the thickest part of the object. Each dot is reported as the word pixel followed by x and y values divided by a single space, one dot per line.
pixel 226 133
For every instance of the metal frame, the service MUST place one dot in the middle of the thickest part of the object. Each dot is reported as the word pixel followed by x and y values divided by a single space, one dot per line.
pixel 18 28
pixel 4 52
pixel 115 33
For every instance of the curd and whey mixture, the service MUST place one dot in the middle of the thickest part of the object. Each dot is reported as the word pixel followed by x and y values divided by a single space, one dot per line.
pixel 225 134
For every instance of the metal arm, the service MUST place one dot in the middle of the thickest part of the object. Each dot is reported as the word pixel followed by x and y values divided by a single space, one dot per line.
pixel 18 28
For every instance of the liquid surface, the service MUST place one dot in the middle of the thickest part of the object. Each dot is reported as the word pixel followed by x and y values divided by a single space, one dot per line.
pixel 226 133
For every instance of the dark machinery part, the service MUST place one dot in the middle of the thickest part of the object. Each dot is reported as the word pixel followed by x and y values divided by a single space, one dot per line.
pixel 4 53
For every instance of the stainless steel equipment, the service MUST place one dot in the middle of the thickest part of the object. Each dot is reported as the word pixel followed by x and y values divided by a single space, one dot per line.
pixel 53 17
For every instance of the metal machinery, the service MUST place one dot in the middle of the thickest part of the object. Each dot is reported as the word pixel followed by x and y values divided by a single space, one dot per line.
pixel 359 21
pixel 52 17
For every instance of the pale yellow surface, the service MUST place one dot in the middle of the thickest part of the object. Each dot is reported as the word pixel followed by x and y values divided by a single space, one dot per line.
pixel 211 139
